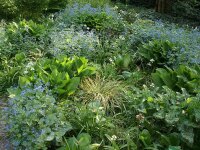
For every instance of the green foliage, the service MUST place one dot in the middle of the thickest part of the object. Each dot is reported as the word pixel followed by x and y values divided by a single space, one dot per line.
pixel 182 77
pixel 33 118
pixel 90 118
pixel 97 21
pixel 82 142
pixel 122 62
pixel 93 3
pixel 56 5
pixel 10 70
pixel 158 53
pixel 164 119
pixel 189 7
pixel 10 9
pixel 25 36
pixel 72 42
pixel 101 18
pixel 54 104
pixel 31 8
pixel 30 28
pixel 62 73
pixel 186 39
pixel 7 9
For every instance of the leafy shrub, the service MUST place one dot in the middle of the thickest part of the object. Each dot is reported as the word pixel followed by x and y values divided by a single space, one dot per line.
pixel 159 52
pixel 62 73
pixel 72 42
pixel 183 77
pixel 122 62
pixel 33 118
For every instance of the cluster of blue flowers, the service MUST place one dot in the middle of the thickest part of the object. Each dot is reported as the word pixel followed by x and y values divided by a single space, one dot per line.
pixel 71 13
pixel 187 39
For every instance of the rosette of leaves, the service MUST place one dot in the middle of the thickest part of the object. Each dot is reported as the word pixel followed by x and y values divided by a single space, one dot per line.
pixel 62 73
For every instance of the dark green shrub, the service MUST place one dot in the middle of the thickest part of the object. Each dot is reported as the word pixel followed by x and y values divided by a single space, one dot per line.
pixel 187 8
pixel 7 9
pixel 31 8
pixel 56 5
pixel 146 3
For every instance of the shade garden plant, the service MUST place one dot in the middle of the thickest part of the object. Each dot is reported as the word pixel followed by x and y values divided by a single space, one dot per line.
pixel 93 76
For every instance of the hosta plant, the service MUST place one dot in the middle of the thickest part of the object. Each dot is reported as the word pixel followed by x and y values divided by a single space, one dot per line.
pixel 62 73
pixel 176 79
pixel 158 52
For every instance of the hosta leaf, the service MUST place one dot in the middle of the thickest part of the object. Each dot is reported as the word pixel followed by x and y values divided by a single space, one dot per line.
pixel 73 85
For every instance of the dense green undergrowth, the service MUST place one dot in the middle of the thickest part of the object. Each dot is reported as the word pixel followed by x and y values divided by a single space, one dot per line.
pixel 93 77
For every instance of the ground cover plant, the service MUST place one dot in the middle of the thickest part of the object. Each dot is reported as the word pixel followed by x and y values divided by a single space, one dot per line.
pixel 97 76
